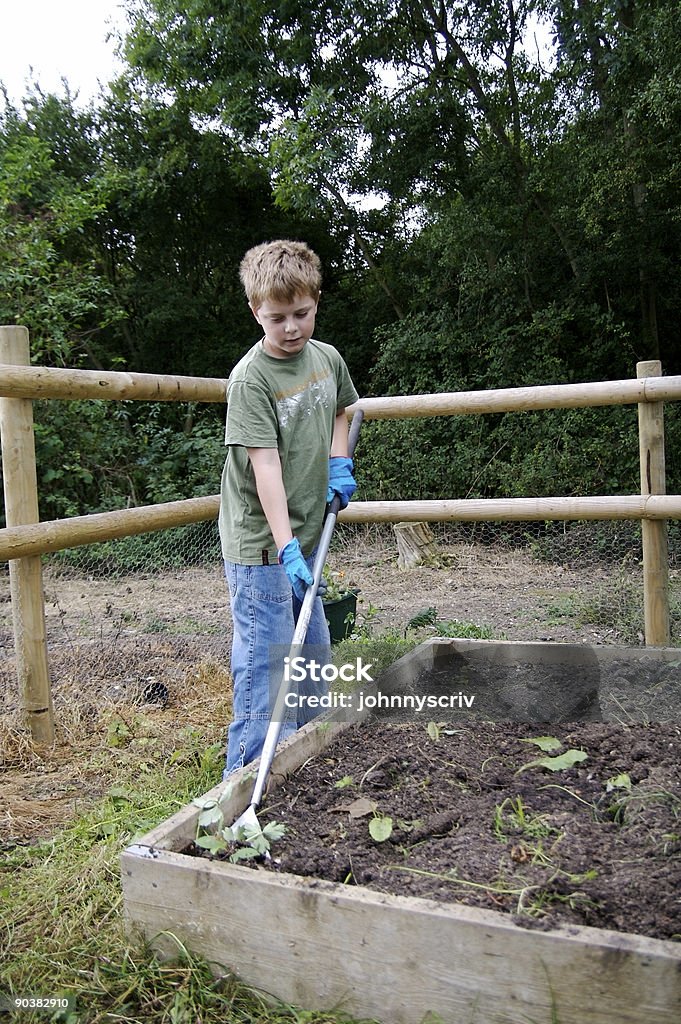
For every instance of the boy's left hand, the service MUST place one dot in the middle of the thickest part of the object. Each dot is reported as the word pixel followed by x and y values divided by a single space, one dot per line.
pixel 341 480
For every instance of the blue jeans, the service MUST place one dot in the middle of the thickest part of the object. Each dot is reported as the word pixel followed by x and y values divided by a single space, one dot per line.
pixel 264 612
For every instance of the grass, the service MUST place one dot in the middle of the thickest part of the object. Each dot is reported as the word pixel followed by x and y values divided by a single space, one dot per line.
pixel 62 923
pixel 62 931
pixel 62 898
pixel 62 926
pixel 618 605
pixel 512 814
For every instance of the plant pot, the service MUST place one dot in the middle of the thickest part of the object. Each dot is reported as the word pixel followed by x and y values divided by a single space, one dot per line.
pixel 340 614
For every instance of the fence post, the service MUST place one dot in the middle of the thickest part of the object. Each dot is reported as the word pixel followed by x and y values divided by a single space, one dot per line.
pixel 26 583
pixel 653 531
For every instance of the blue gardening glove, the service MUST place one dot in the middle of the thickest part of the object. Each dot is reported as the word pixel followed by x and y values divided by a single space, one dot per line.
pixel 295 566
pixel 341 480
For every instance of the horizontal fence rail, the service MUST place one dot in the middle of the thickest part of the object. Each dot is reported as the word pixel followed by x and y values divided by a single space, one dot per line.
pixel 53 382
pixel 634 506
pixel 55 535
pixel 529 399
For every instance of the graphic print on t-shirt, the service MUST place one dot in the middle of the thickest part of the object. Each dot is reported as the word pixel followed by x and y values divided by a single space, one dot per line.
pixel 318 390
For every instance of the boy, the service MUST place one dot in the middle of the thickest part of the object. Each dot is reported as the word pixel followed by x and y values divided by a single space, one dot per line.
pixel 287 455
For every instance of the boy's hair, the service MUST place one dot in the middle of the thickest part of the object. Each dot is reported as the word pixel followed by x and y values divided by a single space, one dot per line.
pixel 280 271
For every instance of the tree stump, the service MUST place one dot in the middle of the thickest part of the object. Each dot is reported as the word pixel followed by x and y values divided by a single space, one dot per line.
pixel 415 545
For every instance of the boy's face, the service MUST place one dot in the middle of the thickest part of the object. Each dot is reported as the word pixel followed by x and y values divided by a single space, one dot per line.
pixel 288 326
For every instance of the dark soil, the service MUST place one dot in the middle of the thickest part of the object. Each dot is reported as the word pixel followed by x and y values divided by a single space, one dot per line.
pixel 548 847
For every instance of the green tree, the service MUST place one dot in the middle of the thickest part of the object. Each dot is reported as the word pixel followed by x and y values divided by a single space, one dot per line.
pixel 620 59
pixel 122 231
pixel 51 279
pixel 488 213
pixel 185 204
pixel 559 172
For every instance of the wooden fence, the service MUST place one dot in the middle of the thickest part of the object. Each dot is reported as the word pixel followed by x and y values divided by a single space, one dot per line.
pixel 25 539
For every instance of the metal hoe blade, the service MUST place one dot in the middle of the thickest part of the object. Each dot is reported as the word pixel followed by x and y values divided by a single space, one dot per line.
pixel 249 818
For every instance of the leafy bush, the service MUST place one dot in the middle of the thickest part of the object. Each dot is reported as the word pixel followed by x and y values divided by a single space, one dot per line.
pixel 556 452
pixel 96 456
pixel 378 651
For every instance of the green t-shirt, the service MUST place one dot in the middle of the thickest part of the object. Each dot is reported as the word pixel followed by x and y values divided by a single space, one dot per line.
pixel 288 404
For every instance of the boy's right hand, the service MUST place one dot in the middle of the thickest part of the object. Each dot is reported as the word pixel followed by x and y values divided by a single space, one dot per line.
pixel 295 566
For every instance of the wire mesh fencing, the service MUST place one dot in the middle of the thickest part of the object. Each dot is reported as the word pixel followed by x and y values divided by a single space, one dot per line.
pixel 562 581
pixel 127 621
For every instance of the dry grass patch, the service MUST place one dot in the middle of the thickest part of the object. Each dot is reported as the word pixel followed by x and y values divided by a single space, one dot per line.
pixel 99 743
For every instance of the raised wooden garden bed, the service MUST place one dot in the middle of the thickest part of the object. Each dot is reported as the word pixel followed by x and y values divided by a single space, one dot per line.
pixel 327 945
